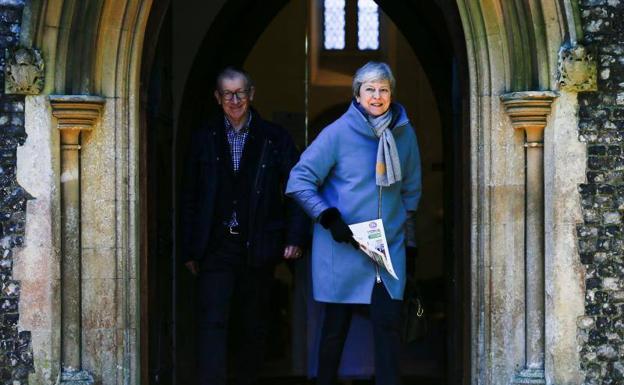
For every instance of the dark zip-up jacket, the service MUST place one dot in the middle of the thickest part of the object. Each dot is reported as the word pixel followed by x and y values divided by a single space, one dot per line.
pixel 273 220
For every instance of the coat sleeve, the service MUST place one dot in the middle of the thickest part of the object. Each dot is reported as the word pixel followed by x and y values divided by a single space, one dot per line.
pixel 314 166
pixel 298 230
pixel 411 187
pixel 189 199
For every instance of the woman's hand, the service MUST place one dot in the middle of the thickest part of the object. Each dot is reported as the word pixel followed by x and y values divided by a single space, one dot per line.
pixel 332 219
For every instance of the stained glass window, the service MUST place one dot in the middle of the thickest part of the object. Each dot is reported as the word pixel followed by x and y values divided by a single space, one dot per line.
pixel 368 25
pixel 334 24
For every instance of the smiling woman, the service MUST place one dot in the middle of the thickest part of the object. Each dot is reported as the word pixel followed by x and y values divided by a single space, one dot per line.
pixel 375 97
pixel 374 137
pixel 372 88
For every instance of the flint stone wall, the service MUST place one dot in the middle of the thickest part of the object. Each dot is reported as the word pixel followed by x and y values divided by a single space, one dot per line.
pixel 601 235
pixel 15 348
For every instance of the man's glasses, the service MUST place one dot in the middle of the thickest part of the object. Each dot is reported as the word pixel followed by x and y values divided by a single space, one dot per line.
pixel 229 95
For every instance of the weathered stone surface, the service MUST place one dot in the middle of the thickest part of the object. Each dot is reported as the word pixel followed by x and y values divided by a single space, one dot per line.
pixel 98 299
pixel 37 264
pixel 601 236
pixel 98 263
pixel 12 3
pixel 99 354
pixel 76 377
pixel 586 322
pixel 607 353
pixel 98 224
pixel 24 73
pixel 577 69
pixel 16 360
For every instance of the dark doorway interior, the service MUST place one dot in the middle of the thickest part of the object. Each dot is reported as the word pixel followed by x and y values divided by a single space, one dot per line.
pixel 431 33
pixel 157 270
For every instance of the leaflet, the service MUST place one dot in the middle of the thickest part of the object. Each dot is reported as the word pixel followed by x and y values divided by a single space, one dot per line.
pixel 371 237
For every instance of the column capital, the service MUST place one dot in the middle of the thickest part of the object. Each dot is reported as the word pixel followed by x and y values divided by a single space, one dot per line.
pixel 76 112
pixel 528 111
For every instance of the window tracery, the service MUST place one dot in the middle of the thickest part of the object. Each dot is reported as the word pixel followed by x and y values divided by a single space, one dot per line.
pixel 342 18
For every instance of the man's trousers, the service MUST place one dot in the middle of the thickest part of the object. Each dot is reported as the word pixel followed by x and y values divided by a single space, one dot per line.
pixel 227 285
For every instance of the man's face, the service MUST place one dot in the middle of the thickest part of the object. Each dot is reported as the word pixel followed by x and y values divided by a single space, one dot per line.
pixel 234 97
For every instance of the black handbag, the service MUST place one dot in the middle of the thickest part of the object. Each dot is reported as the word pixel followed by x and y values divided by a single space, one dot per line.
pixel 414 319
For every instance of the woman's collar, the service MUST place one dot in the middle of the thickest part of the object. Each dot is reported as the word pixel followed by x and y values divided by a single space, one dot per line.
pixel 395 108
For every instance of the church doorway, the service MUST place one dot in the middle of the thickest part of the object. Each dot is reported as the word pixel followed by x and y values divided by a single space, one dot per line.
pixel 303 86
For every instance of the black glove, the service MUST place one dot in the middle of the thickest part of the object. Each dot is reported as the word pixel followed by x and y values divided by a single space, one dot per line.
pixel 340 231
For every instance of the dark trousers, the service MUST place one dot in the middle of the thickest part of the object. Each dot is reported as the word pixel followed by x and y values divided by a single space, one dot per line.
pixel 228 285
pixel 385 315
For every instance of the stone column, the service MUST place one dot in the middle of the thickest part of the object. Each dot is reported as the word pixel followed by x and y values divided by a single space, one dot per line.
pixel 528 112
pixel 74 114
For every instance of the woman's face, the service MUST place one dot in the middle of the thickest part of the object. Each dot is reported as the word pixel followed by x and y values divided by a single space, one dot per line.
pixel 375 97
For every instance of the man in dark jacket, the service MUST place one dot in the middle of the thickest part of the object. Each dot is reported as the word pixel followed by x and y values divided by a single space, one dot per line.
pixel 236 224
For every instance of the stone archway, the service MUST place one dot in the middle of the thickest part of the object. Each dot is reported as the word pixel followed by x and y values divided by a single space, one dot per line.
pixel 95 48
pixel 514 47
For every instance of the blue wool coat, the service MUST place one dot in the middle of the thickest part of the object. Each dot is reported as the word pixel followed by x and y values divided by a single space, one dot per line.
pixel 340 166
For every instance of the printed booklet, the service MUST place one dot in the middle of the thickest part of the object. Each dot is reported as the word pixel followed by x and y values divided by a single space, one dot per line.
pixel 372 239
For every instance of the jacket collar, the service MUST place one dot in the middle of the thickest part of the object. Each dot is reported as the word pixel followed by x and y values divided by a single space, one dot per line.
pixel 217 122
pixel 229 127
pixel 253 144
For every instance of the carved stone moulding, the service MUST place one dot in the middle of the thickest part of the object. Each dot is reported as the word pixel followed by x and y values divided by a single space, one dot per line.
pixel 577 70
pixel 76 112
pixel 75 377
pixel 530 377
pixel 528 109
pixel 24 71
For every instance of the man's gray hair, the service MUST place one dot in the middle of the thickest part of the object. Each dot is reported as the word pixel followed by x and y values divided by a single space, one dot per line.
pixel 372 71
pixel 232 72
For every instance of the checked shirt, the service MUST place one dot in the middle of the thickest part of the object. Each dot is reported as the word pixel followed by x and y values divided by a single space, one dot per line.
pixel 237 144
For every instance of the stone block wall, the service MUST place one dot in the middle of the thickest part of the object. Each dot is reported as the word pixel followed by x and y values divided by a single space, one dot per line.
pixel 601 235
pixel 15 348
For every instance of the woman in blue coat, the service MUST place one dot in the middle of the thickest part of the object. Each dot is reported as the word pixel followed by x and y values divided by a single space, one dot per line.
pixel 363 166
